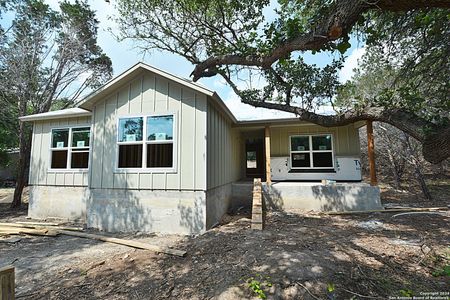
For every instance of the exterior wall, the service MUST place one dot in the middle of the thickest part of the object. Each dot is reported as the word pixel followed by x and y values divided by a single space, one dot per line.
pixel 317 197
pixel 58 202
pixel 310 196
pixel 224 153
pixel 218 201
pixel 145 94
pixel 147 211
pixel 40 173
pixel 345 138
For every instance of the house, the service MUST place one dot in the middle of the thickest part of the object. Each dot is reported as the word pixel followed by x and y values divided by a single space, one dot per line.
pixel 153 152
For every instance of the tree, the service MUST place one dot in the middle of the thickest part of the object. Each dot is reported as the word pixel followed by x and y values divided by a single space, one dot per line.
pixel 44 56
pixel 232 39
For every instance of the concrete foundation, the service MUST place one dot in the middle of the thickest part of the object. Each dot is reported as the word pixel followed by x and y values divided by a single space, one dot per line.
pixel 217 204
pixel 181 212
pixel 311 196
pixel 58 202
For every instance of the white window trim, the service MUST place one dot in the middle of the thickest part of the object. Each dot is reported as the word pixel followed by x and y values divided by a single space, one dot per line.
pixel 144 143
pixel 311 151
pixel 69 149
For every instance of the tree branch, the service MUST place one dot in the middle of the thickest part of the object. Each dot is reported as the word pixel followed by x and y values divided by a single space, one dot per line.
pixel 339 21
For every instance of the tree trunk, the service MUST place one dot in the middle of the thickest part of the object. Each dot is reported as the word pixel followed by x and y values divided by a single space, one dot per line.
pixel 23 165
pixel 395 170
pixel 417 169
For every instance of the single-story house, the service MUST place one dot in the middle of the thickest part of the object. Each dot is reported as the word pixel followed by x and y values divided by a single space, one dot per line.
pixel 153 152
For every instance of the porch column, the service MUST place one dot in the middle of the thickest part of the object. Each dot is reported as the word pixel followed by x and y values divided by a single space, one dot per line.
pixel 371 153
pixel 267 150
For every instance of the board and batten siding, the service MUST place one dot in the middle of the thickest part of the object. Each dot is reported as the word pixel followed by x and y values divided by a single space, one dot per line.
pixel 345 138
pixel 40 172
pixel 145 94
pixel 224 151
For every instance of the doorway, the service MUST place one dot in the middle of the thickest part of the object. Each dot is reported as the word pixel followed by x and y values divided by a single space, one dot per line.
pixel 254 158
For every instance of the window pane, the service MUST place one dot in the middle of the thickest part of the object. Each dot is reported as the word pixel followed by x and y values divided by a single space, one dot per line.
pixel 159 155
pixel 300 143
pixel 321 142
pixel 322 159
pixel 79 160
pixel 251 160
pixel 60 138
pixel 130 129
pixel 59 159
pixel 160 128
pixel 300 160
pixel 80 137
pixel 130 156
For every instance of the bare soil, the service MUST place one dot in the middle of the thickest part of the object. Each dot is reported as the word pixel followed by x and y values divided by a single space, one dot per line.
pixel 297 256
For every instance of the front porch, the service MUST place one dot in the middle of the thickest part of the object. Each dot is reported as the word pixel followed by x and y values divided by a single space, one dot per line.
pixel 307 167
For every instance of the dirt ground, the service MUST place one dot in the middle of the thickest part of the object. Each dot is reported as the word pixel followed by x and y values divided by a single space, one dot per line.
pixel 298 256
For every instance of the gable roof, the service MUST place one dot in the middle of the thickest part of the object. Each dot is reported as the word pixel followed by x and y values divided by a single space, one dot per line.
pixel 89 100
pixel 58 114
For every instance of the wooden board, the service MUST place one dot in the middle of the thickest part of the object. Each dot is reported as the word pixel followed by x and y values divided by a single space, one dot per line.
pixel 7 283
pixel 129 243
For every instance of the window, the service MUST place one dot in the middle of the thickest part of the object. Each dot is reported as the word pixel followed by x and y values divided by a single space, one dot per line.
pixel 251 160
pixel 70 148
pixel 312 151
pixel 155 151
pixel 130 142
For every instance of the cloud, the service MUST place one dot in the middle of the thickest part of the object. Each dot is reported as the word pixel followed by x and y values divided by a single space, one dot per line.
pixel 347 71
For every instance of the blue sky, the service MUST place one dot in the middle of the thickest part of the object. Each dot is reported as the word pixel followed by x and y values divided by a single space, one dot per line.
pixel 124 55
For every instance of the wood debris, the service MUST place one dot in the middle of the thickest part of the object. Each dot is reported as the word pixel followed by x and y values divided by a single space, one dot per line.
pixel 44 229
pixel 386 210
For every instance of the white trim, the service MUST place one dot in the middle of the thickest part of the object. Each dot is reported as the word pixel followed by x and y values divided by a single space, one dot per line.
pixel 69 149
pixel 311 151
pixel 144 143
pixel 57 114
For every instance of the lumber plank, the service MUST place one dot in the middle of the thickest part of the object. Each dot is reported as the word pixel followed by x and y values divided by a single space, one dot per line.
pixel 128 243
pixel 39 223
pixel 18 230
pixel 43 226
pixel 386 210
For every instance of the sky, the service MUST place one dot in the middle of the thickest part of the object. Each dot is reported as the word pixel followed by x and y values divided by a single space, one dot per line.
pixel 124 55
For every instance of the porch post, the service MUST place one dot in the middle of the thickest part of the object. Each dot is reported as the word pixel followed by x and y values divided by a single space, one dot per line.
pixel 371 153
pixel 267 150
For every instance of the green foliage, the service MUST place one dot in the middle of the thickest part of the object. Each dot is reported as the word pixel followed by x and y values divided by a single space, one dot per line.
pixel 445 271
pixel 406 65
pixel 406 293
pixel 43 55
pixel 258 285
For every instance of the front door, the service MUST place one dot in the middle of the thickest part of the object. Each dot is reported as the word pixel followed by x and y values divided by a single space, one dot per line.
pixel 254 151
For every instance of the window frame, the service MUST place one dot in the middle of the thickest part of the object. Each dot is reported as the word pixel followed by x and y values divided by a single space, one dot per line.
pixel 311 151
pixel 145 142
pixel 69 149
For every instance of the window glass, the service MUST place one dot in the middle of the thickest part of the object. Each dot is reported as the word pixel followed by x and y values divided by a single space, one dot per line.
pixel 159 155
pixel 301 160
pixel 322 159
pixel 251 160
pixel 300 143
pixel 130 129
pixel 79 160
pixel 59 159
pixel 130 156
pixel 60 138
pixel 80 137
pixel 160 128
pixel 321 142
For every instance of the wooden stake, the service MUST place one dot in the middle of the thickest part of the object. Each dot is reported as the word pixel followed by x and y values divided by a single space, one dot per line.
pixel 267 150
pixel 371 154
pixel 128 243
